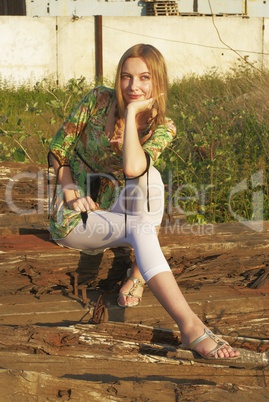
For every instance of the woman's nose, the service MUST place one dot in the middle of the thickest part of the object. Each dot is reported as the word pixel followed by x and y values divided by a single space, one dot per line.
pixel 134 83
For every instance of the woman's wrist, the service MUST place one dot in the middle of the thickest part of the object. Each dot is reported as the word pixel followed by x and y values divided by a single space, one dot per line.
pixel 70 195
pixel 130 111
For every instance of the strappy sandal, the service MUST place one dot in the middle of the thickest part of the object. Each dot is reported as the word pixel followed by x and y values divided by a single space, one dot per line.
pixel 137 283
pixel 213 354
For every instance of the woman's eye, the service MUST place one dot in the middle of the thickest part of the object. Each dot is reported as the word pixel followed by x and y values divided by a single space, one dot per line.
pixel 145 77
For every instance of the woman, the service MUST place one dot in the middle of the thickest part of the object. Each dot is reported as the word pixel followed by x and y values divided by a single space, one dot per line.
pixel 110 195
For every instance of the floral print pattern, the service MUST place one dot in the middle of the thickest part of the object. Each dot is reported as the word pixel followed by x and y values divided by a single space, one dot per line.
pixel 82 144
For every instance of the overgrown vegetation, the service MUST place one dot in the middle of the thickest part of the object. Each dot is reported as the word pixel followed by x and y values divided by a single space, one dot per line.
pixel 29 118
pixel 216 168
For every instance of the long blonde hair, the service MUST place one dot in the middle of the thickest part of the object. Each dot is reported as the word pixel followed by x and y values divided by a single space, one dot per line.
pixel 157 68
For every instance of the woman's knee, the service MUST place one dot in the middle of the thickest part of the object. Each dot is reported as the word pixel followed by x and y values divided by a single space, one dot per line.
pixel 152 177
pixel 142 195
pixel 148 195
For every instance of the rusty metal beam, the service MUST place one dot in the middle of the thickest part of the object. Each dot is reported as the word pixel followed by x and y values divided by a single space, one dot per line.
pixel 98 49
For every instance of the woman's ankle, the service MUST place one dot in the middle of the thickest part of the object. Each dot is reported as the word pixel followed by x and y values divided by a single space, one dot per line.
pixel 191 329
pixel 135 272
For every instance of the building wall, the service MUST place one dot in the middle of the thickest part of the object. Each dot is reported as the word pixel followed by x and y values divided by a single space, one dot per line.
pixel 64 8
pixel 84 8
pixel 42 8
pixel 12 7
pixel 60 48
pixel 28 49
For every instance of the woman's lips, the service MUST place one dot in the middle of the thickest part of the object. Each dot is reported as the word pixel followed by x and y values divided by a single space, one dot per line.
pixel 134 97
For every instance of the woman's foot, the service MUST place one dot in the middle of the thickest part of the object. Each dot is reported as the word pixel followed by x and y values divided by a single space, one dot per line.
pixel 208 345
pixel 165 288
pixel 130 294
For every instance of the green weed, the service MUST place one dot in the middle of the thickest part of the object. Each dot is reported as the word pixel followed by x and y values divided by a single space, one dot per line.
pixel 222 141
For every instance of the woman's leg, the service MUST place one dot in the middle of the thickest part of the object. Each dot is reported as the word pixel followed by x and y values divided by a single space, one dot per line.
pixel 166 290
pixel 137 198
pixel 130 301
pixel 107 230
pixel 161 281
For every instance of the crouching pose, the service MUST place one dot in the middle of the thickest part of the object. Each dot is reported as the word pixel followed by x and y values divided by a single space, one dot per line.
pixel 109 194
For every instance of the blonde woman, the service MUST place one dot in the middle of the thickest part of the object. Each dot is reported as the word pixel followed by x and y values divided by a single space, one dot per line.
pixel 109 194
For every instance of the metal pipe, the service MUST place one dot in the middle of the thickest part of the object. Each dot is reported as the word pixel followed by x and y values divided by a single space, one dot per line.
pixel 245 5
pixel 5 7
pixel 98 49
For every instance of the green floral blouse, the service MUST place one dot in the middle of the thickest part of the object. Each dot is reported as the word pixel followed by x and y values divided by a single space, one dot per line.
pixel 82 144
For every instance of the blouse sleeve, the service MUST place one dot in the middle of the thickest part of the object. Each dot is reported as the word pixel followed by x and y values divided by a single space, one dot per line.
pixel 64 141
pixel 162 136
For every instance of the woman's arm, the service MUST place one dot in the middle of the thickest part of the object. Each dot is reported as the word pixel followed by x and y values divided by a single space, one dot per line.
pixel 64 142
pixel 134 159
pixel 79 204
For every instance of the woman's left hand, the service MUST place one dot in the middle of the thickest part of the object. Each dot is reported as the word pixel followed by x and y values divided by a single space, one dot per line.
pixel 83 204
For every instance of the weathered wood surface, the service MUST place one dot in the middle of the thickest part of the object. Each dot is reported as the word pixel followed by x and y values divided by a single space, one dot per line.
pixel 50 348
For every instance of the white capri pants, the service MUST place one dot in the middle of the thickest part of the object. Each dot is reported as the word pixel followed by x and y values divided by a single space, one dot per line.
pixel 136 229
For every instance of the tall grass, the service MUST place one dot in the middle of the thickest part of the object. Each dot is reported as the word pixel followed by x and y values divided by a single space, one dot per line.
pixel 29 117
pixel 221 148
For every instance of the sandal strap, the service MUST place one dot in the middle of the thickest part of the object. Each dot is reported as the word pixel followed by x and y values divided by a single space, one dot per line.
pixel 213 353
pixel 128 294
pixel 137 283
pixel 209 334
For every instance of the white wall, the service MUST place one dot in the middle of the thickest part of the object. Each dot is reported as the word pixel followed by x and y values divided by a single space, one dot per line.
pixel 27 49
pixel 32 49
pixel 64 8
pixel 134 8
pixel 190 45
pixel 76 49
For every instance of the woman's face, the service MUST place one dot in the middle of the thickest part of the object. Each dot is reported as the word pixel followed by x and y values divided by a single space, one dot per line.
pixel 136 81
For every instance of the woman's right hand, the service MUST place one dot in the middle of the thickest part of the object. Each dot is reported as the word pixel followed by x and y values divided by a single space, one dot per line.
pixel 83 204
pixel 142 105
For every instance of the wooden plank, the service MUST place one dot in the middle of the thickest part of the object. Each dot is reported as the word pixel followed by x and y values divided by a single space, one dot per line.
pixel 25 385
pixel 46 335
pixel 162 8
pixel 118 341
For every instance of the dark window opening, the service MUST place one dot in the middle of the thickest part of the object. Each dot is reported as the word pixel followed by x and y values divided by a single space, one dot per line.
pixel 12 7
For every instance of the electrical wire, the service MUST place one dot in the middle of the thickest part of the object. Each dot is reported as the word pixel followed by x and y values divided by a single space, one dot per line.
pixel 228 46
pixel 183 42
